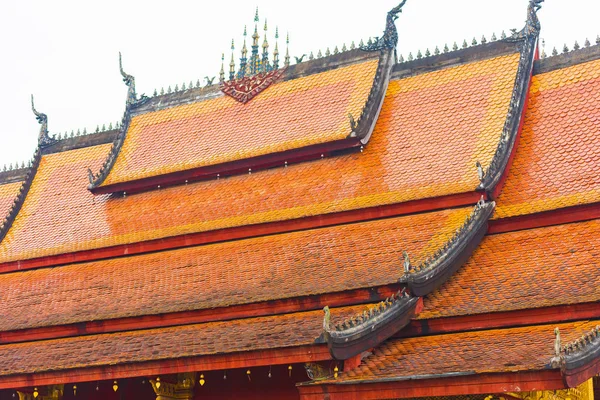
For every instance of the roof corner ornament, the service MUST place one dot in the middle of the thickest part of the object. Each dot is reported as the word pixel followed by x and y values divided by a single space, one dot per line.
pixel 326 319
pixel 406 262
pixel 44 139
pixel 558 359
pixel 389 40
pixel 130 82
pixel 532 26
pixel 480 171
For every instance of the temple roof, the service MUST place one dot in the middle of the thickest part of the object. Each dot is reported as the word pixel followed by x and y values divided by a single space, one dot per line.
pixel 220 129
pixel 431 131
pixel 523 270
pixel 498 350
pixel 558 158
pixel 296 264
pixel 280 331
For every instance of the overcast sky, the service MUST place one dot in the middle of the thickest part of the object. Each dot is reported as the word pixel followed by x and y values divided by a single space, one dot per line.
pixel 66 52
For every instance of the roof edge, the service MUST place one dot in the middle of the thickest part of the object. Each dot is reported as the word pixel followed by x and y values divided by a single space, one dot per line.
pixel 372 327
pixel 437 269
pixel 567 60
pixel 491 180
pixel 578 360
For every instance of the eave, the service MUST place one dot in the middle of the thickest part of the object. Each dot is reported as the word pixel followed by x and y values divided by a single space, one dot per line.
pixel 435 385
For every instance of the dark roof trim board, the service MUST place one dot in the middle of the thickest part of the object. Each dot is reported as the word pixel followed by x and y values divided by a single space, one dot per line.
pixel 385 319
pixel 44 141
pixel 97 179
pixel 371 328
pixel 494 175
pixel 578 360
pixel 438 268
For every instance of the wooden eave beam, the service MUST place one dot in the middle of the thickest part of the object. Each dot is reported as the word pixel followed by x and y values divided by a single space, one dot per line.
pixel 258 358
pixel 443 385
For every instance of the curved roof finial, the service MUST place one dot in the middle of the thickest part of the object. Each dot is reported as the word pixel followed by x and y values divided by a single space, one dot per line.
pixel 129 81
pixel 42 119
pixel 532 25
pixel 389 40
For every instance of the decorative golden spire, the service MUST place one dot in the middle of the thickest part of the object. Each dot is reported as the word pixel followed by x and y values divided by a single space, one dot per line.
pixel 286 62
pixel 222 72
pixel 264 65
pixel 276 51
pixel 232 63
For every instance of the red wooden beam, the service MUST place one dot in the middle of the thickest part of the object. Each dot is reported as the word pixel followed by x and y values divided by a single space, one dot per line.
pixel 230 168
pixel 506 319
pixel 249 359
pixel 284 306
pixel 448 385
pixel 547 218
pixel 247 231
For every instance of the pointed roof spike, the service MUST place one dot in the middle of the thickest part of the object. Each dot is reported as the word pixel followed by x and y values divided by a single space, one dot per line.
pixel 155 93
pixel 436 51
pixel 336 50
pixel 483 39
pixel 361 44
pixel 587 43
pixel 162 91
pixel 576 46
pixel 598 39
pixel 319 54
pixel 311 56
pixel 183 86
pixel 327 52
pixel 198 82
pixel 176 88
pixel 352 45
pixel 446 49
pixel 465 44
pixel 427 53
pixel 454 46
pixel 72 133
pixel 103 127
pixel 256 15
pixel 191 85
pixel 78 133
pixel 410 57
pixel 419 55
pixel 110 126
pixel 401 59
pixel 565 49
pixel 494 38
pixel 344 48
pixel 169 90
pixel 543 55
pixel 474 42
pixel 97 128
pixel 554 51
pixel 503 35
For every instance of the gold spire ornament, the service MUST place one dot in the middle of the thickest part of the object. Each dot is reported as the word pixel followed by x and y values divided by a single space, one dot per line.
pixel 202 381
pixel 115 386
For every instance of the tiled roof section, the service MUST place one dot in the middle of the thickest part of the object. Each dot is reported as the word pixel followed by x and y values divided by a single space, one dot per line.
pixel 431 130
pixel 523 270
pixel 219 275
pixel 8 193
pixel 558 158
pixel 289 330
pixel 506 350
pixel 289 115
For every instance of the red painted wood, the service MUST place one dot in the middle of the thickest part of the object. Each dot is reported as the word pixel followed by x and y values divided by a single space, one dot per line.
pixel 352 362
pixel 548 218
pixel 577 376
pixel 250 359
pixel 338 299
pixel 508 319
pixel 437 386
pixel 230 168
pixel 247 231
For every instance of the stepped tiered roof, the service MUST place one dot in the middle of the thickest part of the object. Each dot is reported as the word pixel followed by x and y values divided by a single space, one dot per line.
pixel 403 229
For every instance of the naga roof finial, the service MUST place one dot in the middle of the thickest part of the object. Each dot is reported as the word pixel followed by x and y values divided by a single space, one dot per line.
pixel 389 40
pixel 326 319
pixel 129 81
pixel 406 262
pixel 557 360
pixel 42 119
pixel 532 25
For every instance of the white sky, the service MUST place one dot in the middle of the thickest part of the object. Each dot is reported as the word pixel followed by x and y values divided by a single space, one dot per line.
pixel 65 52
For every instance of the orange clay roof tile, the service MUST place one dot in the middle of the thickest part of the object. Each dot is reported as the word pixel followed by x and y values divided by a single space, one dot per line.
pixel 8 193
pixel 523 270
pixel 288 330
pixel 499 350
pixel 288 265
pixel 557 161
pixel 431 130
pixel 215 131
